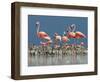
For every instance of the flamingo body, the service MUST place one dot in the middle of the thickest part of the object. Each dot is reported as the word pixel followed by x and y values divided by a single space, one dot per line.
pixel 80 35
pixel 42 34
pixel 65 38
pixel 71 35
pixel 58 37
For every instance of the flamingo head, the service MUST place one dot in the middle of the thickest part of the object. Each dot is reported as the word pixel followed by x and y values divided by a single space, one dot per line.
pixel 37 22
pixel 72 28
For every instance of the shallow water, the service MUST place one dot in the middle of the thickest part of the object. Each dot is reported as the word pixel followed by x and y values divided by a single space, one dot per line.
pixel 45 60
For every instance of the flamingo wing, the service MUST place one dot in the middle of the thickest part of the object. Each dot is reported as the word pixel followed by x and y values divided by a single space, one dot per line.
pixel 71 35
pixel 42 34
pixel 80 35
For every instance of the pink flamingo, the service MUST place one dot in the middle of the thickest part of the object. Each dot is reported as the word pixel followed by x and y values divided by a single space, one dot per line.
pixel 80 35
pixel 57 38
pixel 77 34
pixel 71 34
pixel 42 35
pixel 64 39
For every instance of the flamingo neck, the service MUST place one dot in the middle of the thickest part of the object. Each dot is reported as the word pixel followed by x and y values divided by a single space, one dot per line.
pixel 38 28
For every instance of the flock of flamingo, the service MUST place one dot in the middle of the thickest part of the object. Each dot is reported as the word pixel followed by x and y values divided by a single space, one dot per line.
pixel 67 35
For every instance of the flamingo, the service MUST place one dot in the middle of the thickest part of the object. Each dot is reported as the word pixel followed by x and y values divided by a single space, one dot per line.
pixel 71 34
pixel 42 35
pixel 77 34
pixel 57 38
pixel 80 35
pixel 64 38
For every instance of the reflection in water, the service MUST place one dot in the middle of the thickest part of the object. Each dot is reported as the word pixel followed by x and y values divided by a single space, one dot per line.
pixel 43 56
pixel 43 60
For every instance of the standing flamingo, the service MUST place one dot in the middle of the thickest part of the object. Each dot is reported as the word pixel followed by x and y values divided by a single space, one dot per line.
pixel 71 34
pixel 64 39
pixel 80 35
pixel 57 38
pixel 71 31
pixel 42 35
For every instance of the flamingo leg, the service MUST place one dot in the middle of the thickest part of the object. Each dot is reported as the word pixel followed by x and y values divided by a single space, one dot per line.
pixel 74 56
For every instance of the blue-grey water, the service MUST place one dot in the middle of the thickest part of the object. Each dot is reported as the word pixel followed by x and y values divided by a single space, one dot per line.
pixel 45 60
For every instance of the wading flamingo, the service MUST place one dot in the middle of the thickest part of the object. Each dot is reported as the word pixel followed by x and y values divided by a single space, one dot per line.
pixel 57 38
pixel 71 34
pixel 64 39
pixel 80 35
pixel 42 35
